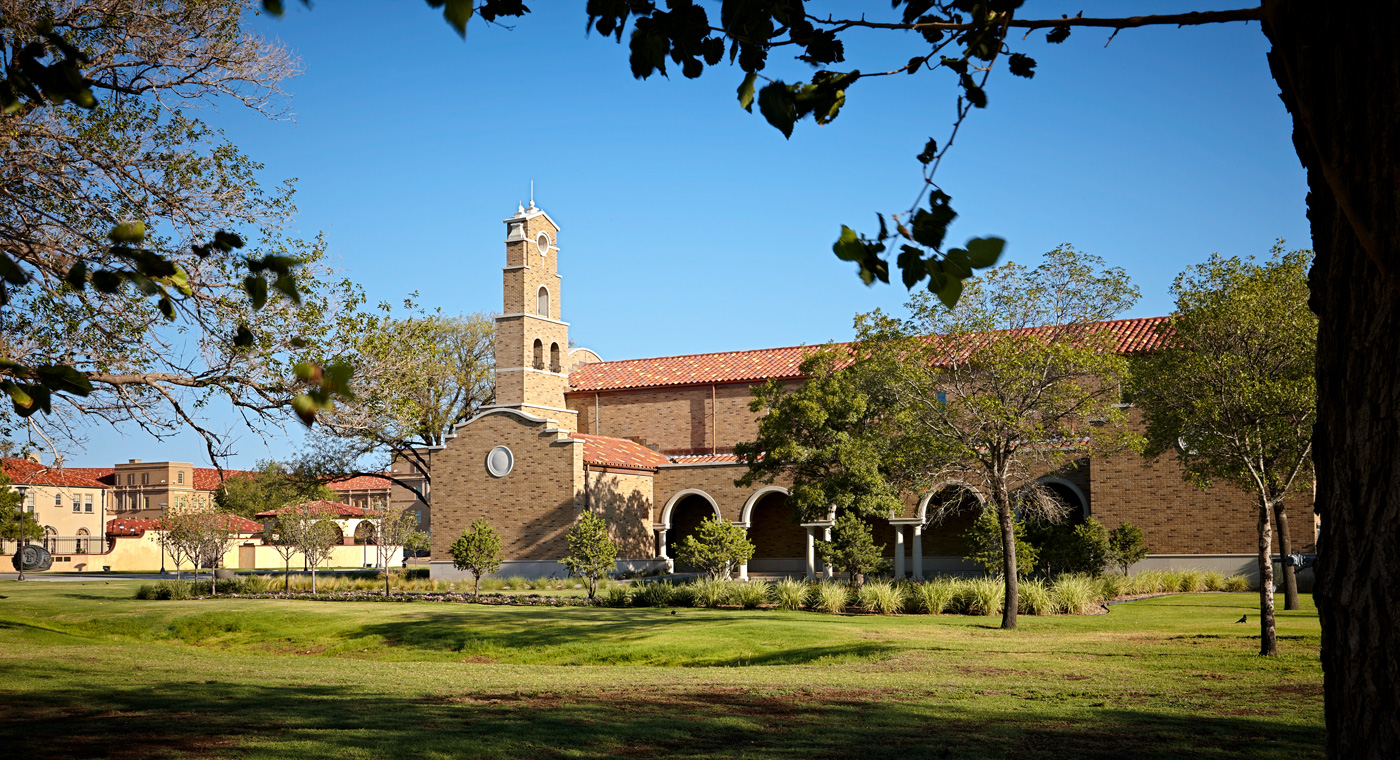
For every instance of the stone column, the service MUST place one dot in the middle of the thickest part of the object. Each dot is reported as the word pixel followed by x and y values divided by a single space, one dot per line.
pixel 744 566
pixel 918 552
pixel 826 566
pixel 811 555
pixel 661 543
pixel 899 552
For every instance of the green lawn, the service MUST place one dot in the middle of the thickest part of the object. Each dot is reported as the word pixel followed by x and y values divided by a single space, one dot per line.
pixel 85 671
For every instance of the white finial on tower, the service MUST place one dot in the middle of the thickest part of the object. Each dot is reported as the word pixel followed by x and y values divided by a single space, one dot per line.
pixel 532 193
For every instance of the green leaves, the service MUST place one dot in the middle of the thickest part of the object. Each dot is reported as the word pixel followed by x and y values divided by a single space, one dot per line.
pixel 1021 65
pixel 783 104
pixel 746 92
pixel 865 252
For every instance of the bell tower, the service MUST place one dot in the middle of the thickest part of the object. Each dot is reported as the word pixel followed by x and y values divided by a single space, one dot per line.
pixel 532 341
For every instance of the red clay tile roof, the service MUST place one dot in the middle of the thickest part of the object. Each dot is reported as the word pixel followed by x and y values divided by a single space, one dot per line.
pixel 104 475
pixel 704 459
pixel 1130 336
pixel 30 473
pixel 320 505
pixel 360 483
pixel 127 526
pixel 207 478
pixel 604 451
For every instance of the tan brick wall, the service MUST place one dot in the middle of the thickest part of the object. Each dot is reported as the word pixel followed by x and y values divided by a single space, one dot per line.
pixel 677 420
pixel 532 507
pixel 625 502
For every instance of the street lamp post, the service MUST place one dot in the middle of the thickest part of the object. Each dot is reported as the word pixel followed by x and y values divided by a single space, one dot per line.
pixel 23 532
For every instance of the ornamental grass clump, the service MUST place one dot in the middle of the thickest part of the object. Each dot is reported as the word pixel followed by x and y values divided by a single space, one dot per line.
pixel 982 596
pixel 683 596
pixel 712 593
pixel 542 583
pixel 1112 586
pixel 658 594
pixel 617 597
pixel 831 597
pixel 790 594
pixel 1075 594
pixel 752 594
pixel 1191 580
pixel 1236 583
pixel 492 583
pixel 933 597
pixel 880 597
pixel 1034 598
pixel 1215 580
pixel 517 583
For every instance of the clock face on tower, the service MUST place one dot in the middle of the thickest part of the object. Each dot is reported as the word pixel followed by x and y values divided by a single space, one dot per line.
pixel 542 243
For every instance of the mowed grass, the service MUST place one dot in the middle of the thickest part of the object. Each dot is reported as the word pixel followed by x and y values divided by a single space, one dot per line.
pixel 89 672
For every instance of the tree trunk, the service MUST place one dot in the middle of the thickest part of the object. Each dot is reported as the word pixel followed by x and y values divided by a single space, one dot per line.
pixel 1340 79
pixel 1285 548
pixel 1008 559
pixel 1268 637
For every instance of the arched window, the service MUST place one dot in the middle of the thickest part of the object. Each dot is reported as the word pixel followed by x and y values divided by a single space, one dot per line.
pixel 82 541
pixel 542 307
pixel 554 365
pixel 50 538
pixel 539 354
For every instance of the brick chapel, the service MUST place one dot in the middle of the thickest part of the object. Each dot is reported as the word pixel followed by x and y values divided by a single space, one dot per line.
pixel 648 445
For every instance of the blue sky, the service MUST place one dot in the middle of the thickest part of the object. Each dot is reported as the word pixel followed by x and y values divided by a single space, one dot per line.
pixel 692 226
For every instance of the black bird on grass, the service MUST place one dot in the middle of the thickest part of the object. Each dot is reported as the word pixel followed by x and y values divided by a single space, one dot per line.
pixel 1243 619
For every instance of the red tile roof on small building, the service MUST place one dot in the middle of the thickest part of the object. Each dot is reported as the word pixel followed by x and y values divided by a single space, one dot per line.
pixel 30 473
pixel 208 478
pixel 720 458
pixel 1129 336
pixel 605 451
pixel 320 505
pixel 360 483
pixel 129 526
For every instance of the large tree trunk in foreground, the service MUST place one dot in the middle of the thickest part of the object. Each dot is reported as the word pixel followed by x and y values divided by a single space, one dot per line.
pixel 1337 67
pixel 1285 548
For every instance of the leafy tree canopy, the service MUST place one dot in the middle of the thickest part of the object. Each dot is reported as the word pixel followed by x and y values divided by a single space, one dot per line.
pixel 717 547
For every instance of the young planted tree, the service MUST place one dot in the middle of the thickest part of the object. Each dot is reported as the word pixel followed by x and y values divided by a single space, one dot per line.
pixel 284 536
pixel 216 536
pixel 717 547
pixel 478 551
pixel 316 537
pixel 1233 395
pixel 394 531
pixel 592 553
pixel 1020 378
pixel 1126 546
pixel 852 550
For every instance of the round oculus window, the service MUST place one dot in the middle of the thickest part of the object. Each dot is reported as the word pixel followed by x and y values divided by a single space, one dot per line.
pixel 542 243
pixel 499 461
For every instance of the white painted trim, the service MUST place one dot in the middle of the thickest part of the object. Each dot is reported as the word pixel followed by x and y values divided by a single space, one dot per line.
pixel 747 512
pixel 589 350
pixel 517 266
pixel 674 500
pixel 923 503
pixel 504 410
pixel 905 521
pixel 532 369
pixel 519 314
pixel 1083 502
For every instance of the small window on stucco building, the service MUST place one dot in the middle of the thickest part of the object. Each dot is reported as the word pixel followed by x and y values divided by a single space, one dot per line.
pixel 180 477
pixel 77 503
pixel 87 503
pixel 58 499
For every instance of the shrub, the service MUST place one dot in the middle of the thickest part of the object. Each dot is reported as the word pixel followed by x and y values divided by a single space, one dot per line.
pixel 654 594
pixel 543 582
pixel 1075 594
pixel 1034 599
pixel 831 597
pixel 146 592
pixel 683 596
pixel 517 583
pixel 791 594
pixel 752 594
pixel 880 596
pixel 1126 546
pixel 1236 583
pixel 933 597
pixel 252 584
pixel 1215 580
pixel 982 545
pixel 492 583
pixel 617 597
pixel 1065 548
pixel 983 596
pixel 717 547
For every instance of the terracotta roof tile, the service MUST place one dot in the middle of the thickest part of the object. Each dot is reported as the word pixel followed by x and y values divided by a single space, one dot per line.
pixel 604 451
pixel 320 505
pixel 360 483
pixel 705 459
pixel 30 473
pixel 1130 336
pixel 207 478
pixel 127 526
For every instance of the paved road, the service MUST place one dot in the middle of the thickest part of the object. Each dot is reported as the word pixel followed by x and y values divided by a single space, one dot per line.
pixel 74 577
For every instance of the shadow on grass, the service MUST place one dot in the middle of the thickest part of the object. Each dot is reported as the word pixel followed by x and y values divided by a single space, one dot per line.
pixel 632 636
pixel 73 718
